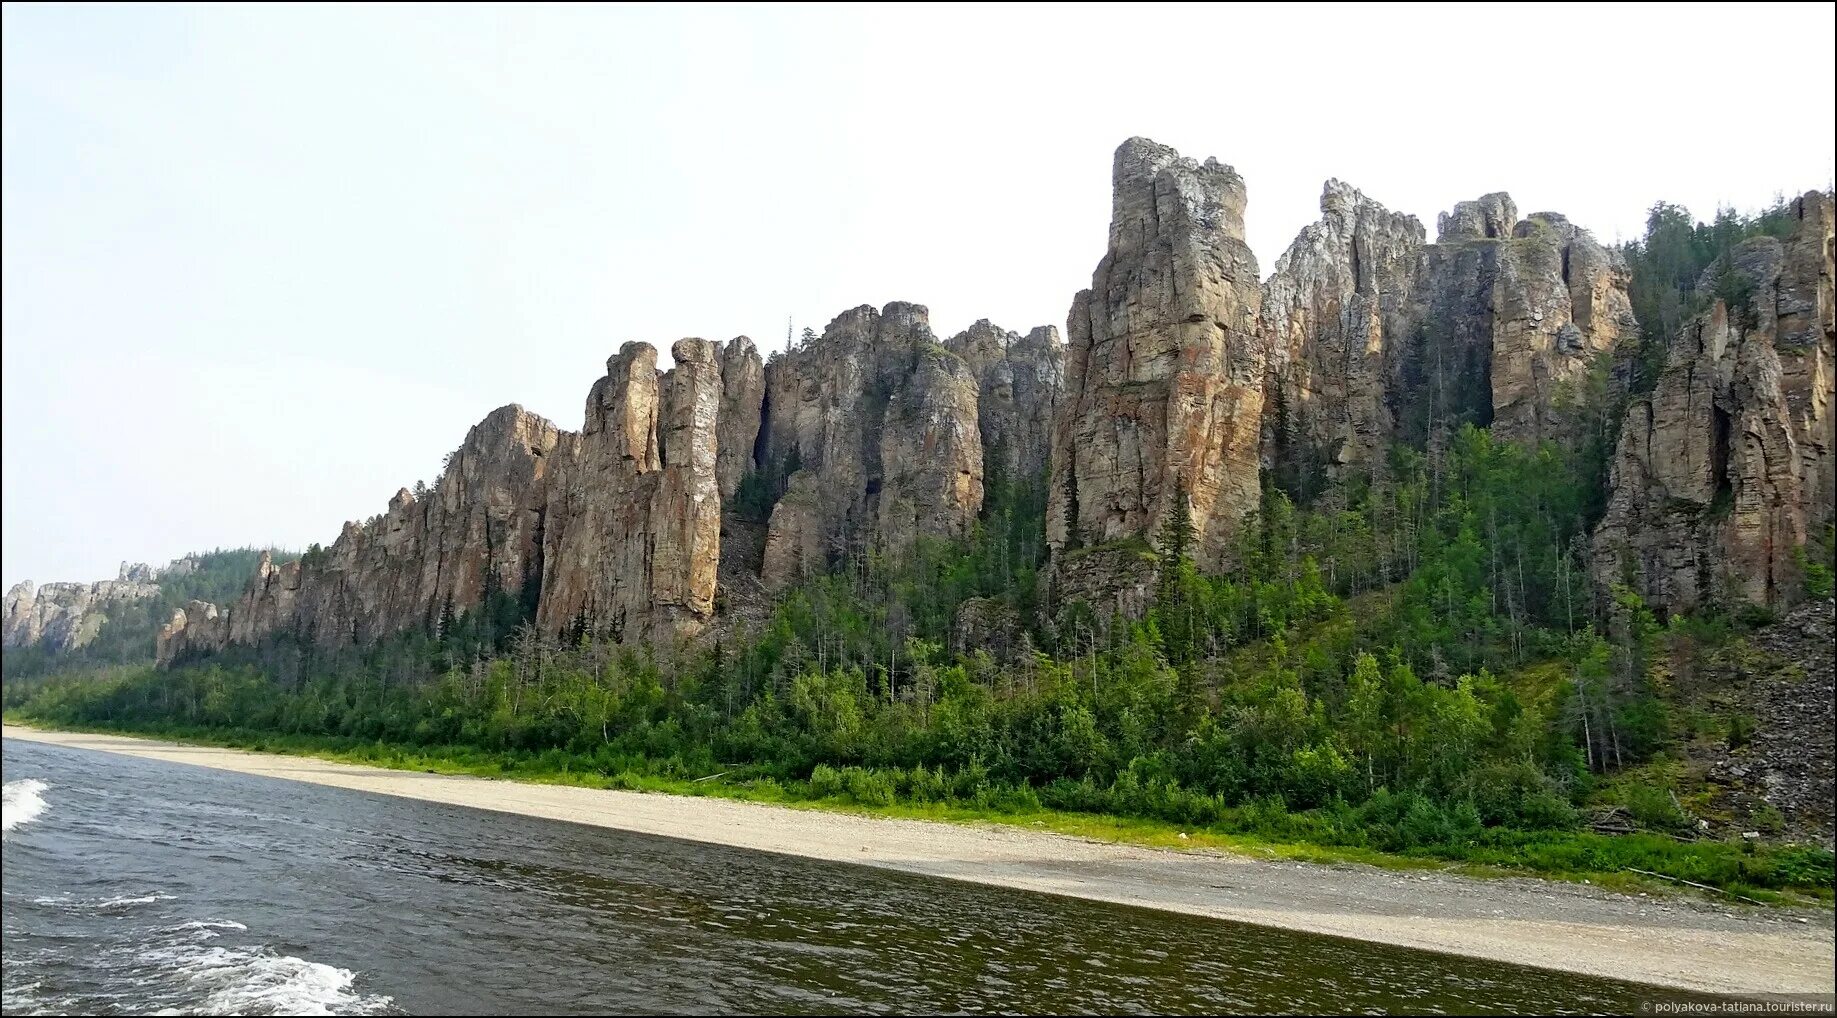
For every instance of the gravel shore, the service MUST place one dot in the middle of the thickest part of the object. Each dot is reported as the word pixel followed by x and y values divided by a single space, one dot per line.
pixel 1676 942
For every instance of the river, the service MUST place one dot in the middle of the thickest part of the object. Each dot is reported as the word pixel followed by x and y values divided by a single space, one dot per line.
pixel 136 886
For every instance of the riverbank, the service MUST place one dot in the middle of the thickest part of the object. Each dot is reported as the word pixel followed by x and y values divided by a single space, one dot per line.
pixel 1672 942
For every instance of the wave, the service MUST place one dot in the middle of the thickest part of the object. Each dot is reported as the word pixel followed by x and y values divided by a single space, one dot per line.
pixel 119 901
pixel 235 980
pixel 21 802
pixel 207 927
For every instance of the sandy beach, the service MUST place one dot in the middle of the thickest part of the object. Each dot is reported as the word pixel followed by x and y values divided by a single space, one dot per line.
pixel 1677 942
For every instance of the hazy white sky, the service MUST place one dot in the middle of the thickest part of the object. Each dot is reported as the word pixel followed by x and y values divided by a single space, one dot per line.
pixel 264 266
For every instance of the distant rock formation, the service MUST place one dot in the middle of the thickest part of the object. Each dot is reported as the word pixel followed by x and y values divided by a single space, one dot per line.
pixel 615 528
pixel 68 616
pixel 1726 468
pixel 65 616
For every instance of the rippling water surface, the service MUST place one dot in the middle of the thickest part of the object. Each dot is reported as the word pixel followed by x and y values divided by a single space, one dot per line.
pixel 140 886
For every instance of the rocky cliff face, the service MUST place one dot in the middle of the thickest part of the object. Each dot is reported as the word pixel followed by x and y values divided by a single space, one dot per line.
pixel 1165 369
pixel 1184 371
pixel 67 616
pixel 1725 469
pixel 618 530
pixel 475 532
pixel 633 527
pixel 1185 378
pixel 1526 310
pixel 1018 381
pixel 742 412
pixel 614 529
pixel 1333 316
pixel 874 429
pixel 1375 336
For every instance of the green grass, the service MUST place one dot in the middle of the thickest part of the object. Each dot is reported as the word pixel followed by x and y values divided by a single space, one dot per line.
pixel 1771 874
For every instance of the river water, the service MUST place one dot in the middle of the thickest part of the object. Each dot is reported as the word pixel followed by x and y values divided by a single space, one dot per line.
pixel 137 886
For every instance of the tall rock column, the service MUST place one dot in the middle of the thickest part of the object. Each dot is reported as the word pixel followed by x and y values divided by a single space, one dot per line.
pixel 742 407
pixel 930 453
pixel 686 508
pixel 1164 371
pixel 1509 317
pixel 632 533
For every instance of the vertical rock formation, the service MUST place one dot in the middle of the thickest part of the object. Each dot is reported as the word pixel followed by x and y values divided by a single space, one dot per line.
pixel 1183 370
pixel 614 529
pixel 742 410
pixel 1508 319
pixel 1165 372
pixel 873 430
pixel 1375 336
pixel 632 531
pixel 1490 217
pixel 930 453
pixel 1333 318
pixel 1560 299
pixel 67 616
pixel 475 534
pixel 1725 469
pixel 196 628
pixel 1018 383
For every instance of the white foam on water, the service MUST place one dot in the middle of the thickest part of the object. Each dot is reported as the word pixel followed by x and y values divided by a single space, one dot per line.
pixel 209 924
pixel 125 900
pixel 21 802
pixel 236 980
pixel 119 901
pixel 206 929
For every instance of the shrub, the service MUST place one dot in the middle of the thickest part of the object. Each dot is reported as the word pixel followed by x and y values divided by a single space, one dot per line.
pixel 826 782
pixel 1653 807
pixel 869 788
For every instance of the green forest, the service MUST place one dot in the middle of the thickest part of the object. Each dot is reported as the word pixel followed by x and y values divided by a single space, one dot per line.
pixel 1413 662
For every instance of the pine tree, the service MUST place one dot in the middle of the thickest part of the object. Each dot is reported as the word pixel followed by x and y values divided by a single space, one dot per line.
pixel 1173 608
pixel 1176 537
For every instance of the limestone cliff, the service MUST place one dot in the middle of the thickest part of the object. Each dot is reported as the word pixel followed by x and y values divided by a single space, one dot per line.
pixel 1186 372
pixel 1527 312
pixel 1725 468
pixel 476 531
pixel 1185 376
pixel 1164 369
pixel 68 616
pixel 1333 316
pixel 1375 336
pixel 742 412
pixel 618 529
pixel 632 534
pixel 873 429
pixel 1018 383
